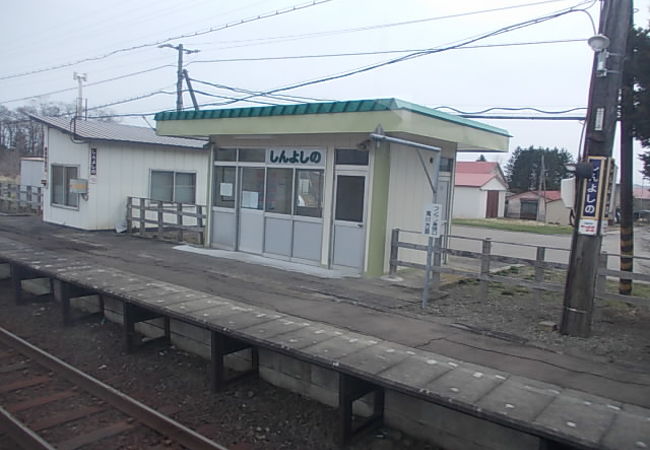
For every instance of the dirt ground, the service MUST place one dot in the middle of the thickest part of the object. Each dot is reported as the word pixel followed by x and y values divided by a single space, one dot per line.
pixel 620 332
pixel 249 414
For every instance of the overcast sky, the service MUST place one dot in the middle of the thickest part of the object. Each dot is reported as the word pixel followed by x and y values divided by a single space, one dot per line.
pixel 555 76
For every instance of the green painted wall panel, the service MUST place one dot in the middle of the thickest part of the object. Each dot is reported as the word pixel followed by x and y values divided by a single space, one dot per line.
pixel 378 211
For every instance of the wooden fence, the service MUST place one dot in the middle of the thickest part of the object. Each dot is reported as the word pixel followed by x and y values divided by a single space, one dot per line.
pixel 436 253
pixel 17 198
pixel 165 220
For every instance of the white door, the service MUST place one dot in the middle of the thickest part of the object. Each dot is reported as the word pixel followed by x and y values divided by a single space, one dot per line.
pixel 251 210
pixel 349 236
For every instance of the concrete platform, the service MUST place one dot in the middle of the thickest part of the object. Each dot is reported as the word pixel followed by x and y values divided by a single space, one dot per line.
pixel 548 393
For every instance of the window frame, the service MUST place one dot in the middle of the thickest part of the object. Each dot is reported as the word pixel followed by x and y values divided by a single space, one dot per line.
pixel 173 172
pixel 66 189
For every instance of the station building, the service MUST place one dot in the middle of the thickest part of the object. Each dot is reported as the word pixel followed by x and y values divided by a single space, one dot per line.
pixel 325 183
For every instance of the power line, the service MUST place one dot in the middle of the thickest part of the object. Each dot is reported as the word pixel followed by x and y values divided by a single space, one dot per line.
pixel 379 52
pixel 119 77
pixel 419 54
pixel 181 36
pixel 293 37
pixel 508 108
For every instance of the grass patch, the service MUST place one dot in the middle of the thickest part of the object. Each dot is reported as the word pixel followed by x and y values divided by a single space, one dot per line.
pixel 515 225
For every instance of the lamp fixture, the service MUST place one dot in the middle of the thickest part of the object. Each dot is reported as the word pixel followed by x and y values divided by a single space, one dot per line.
pixel 599 44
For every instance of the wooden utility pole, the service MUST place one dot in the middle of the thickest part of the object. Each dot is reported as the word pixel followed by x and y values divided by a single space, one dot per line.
pixel 602 115
pixel 627 156
pixel 179 72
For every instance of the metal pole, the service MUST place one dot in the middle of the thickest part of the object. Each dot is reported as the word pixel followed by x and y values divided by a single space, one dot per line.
pixel 179 79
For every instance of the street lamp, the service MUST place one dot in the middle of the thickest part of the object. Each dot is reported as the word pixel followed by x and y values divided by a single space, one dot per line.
pixel 599 44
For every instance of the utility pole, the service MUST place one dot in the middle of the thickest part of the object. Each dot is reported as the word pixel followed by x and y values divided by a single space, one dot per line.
pixel 79 78
pixel 627 156
pixel 602 114
pixel 179 72
pixel 189 88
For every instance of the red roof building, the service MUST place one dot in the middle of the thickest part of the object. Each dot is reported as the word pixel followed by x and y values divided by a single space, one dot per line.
pixel 479 190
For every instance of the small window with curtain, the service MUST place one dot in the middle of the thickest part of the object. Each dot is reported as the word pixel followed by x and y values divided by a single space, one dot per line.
pixel 60 188
pixel 309 193
pixel 170 186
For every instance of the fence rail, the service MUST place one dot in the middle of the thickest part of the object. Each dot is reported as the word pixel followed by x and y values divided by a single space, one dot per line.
pixel 436 252
pixel 18 198
pixel 168 219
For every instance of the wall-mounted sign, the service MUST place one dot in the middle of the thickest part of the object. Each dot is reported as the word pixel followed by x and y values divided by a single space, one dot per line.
pixel 78 186
pixel 93 166
pixel 432 224
pixel 295 157
pixel 594 191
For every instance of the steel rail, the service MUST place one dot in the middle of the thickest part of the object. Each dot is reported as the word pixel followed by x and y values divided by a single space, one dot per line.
pixel 139 411
pixel 20 434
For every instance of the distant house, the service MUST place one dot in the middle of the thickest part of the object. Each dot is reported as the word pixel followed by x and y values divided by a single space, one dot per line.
pixel 530 206
pixel 479 190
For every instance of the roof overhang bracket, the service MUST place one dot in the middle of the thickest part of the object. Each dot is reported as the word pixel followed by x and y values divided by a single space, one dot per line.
pixel 379 136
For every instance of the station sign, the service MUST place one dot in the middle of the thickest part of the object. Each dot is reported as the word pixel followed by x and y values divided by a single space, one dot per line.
pixel 295 157
pixel 594 196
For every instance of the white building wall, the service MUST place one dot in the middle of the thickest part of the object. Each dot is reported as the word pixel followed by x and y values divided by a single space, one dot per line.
pixel 123 170
pixel 31 172
pixel 469 202
pixel 409 192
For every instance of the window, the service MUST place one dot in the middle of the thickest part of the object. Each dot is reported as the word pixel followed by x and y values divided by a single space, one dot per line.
pixel 309 193
pixel 278 190
pixel 351 157
pixel 61 195
pixel 225 154
pixel 168 186
pixel 350 191
pixel 224 187
pixel 446 164
pixel 252 190
pixel 252 155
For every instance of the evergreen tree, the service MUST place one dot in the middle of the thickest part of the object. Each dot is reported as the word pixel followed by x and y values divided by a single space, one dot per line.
pixel 524 168
pixel 638 64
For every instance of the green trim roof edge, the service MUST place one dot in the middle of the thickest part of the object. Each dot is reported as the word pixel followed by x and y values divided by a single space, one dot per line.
pixel 384 104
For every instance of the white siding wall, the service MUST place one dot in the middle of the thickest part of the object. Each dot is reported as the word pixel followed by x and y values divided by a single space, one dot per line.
pixel 409 191
pixel 62 150
pixel 31 172
pixel 122 169
pixel 469 202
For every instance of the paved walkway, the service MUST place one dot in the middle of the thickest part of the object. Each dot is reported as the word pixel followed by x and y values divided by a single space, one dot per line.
pixel 369 307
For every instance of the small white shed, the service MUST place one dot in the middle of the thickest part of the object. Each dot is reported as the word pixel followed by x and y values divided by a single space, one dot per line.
pixel 479 190
pixel 116 161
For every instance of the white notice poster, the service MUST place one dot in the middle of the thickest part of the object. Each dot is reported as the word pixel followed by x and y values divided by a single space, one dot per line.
pixel 249 199
pixel 225 189
pixel 432 222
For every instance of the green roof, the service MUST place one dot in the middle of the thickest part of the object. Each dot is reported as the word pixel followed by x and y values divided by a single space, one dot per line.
pixel 386 104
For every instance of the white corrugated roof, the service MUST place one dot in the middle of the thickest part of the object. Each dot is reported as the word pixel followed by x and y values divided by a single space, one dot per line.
pixel 103 131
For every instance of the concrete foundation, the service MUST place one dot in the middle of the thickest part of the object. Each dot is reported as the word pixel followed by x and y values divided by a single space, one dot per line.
pixel 418 418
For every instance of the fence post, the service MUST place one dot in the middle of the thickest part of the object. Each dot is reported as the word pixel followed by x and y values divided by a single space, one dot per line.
pixel 129 215
pixel 437 262
pixel 199 223
pixel 160 219
pixel 39 199
pixel 142 216
pixel 30 205
pixel 394 249
pixel 601 278
pixel 427 274
pixel 485 267
pixel 539 271
pixel 179 221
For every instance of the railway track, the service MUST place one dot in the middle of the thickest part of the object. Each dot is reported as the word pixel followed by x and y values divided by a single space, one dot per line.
pixel 47 404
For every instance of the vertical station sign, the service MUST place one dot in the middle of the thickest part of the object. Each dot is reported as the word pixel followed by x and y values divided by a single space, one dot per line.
pixel 432 223
pixel 594 196
pixel 93 166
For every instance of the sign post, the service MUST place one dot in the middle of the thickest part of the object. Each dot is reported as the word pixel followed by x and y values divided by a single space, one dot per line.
pixel 431 226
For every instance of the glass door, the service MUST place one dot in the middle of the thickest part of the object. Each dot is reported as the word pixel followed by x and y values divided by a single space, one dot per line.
pixel 251 209
pixel 349 234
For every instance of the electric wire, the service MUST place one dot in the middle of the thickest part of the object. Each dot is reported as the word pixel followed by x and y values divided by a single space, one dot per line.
pixel 419 54
pixel 379 52
pixel 262 16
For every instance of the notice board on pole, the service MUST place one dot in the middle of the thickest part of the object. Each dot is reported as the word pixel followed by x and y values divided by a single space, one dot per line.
pixel 594 197
pixel 432 220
